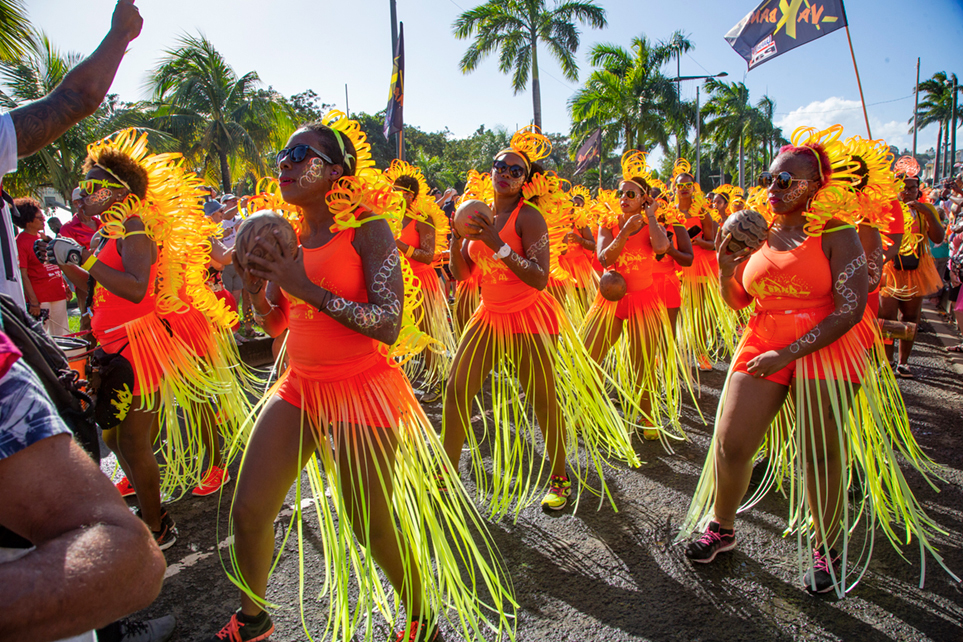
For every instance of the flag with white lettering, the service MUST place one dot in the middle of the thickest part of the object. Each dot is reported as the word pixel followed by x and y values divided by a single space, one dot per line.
pixel 776 26
pixel 394 120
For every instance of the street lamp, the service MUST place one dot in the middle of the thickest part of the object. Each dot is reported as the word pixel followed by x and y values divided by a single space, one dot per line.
pixel 678 90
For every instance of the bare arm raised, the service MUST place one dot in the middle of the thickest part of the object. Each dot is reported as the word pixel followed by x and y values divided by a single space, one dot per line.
pixel 82 89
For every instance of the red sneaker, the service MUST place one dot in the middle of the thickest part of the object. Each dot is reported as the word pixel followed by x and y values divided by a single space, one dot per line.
pixel 216 477
pixel 124 487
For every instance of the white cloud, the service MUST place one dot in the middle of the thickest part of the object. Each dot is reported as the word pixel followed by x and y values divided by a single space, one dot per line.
pixel 849 113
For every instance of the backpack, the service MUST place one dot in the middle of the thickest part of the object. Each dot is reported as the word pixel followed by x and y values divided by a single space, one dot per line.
pixel 49 362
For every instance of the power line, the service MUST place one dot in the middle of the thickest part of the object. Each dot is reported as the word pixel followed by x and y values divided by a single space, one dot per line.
pixel 830 111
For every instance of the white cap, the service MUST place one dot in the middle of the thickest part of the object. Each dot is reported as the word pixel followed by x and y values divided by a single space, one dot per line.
pixel 76 195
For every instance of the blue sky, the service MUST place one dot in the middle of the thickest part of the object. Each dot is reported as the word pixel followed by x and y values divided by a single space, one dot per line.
pixel 322 45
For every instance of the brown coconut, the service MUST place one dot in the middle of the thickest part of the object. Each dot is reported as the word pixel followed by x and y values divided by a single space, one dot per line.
pixel 748 228
pixel 467 209
pixel 263 224
pixel 612 286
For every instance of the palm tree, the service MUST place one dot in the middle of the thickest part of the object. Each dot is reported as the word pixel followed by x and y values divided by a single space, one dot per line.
pixel 731 119
pixel 515 27
pixel 674 47
pixel 17 39
pixel 29 78
pixel 937 107
pixel 627 95
pixel 224 124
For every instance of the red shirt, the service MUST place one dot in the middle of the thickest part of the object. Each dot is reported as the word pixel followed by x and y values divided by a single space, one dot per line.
pixel 896 225
pixel 74 229
pixel 46 279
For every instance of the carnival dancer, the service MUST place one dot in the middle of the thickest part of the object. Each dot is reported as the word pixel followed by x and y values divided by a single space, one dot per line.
pixel 577 254
pixel 520 332
pixel 423 237
pixel 912 275
pixel 478 186
pixel 810 333
pixel 346 411
pixel 141 264
pixel 708 325
pixel 633 241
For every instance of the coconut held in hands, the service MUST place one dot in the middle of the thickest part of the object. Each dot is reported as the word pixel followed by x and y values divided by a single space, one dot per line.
pixel 263 225
pixel 748 228
pixel 465 211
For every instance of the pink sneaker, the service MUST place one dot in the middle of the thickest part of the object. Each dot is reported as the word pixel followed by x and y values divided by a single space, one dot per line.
pixel 216 477
pixel 124 487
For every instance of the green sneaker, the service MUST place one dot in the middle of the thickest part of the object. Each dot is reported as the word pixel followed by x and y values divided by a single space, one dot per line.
pixel 557 496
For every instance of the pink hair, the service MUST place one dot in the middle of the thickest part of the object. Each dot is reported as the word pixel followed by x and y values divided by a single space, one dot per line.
pixel 819 159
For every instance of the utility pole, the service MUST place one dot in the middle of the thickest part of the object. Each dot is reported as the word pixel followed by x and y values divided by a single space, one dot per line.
pixel 347 109
pixel 952 164
pixel 916 107
pixel 394 47
pixel 698 132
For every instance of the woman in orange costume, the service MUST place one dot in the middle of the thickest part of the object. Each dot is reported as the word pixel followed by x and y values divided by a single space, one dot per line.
pixel 423 228
pixel 468 290
pixel 346 411
pixel 520 330
pixel 708 325
pixel 912 275
pixel 647 364
pixel 576 259
pixel 138 196
pixel 810 334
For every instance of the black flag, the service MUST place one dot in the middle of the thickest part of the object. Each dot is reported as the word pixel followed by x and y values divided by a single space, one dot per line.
pixel 588 153
pixel 394 120
pixel 776 26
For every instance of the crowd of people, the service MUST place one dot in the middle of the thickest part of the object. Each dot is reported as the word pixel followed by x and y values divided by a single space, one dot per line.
pixel 588 317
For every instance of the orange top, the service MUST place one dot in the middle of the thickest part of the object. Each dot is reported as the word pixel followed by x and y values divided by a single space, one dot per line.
pixel 111 311
pixel 501 289
pixel 797 279
pixel 637 260
pixel 319 347
pixel 410 236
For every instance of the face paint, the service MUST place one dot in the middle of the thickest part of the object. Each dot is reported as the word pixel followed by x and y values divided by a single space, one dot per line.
pixel 98 198
pixel 796 191
pixel 312 173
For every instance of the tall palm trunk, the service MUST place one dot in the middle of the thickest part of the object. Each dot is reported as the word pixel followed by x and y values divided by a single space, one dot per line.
pixel 939 156
pixel 225 170
pixel 742 165
pixel 536 85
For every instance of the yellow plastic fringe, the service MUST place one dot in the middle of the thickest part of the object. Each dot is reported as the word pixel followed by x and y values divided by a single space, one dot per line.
pixel 586 412
pixel 869 423
pixel 464 581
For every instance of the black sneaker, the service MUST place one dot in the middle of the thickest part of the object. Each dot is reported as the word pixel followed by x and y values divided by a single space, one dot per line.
pixel 241 628
pixel 167 534
pixel 819 579
pixel 433 394
pixel 714 541
pixel 157 630
pixel 419 631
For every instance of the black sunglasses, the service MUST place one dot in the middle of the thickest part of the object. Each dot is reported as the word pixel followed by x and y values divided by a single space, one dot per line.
pixel 298 153
pixel 515 171
pixel 782 180
pixel 627 193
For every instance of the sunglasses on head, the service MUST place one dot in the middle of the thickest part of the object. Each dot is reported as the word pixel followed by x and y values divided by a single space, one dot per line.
pixel 515 171
pixel 298 153
pixel 91 185
pixel 630 194
pixel 782 180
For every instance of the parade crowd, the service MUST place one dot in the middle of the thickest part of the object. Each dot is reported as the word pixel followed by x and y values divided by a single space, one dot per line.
pixel 585 315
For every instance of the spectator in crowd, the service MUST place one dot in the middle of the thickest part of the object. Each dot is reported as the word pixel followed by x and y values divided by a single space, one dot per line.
pixel 54 224
pixel 229 277
pixel 80 228
pixel 43 284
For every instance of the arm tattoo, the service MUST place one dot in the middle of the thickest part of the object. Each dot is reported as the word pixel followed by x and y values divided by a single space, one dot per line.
pixel 41 122
pixel 842 288
pixel 368 316
pixel 532 262
pixel 425 253
pixel 874 265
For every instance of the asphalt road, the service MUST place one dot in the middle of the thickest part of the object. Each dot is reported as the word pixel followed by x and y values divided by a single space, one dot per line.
pixel 602 575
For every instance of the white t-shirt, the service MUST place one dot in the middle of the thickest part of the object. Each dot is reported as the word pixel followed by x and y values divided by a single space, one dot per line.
pixel 229 227
pixel 9 279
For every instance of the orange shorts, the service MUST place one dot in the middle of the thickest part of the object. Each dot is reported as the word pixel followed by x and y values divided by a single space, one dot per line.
pixel 774 330
pixel 669 288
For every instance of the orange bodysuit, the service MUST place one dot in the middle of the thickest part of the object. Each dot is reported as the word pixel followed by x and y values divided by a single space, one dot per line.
pixel 793 292
pixel 423 271
pixel 636 264
pixel 704 262
pixel 513 306
pixel 111 315
pixel 335 371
